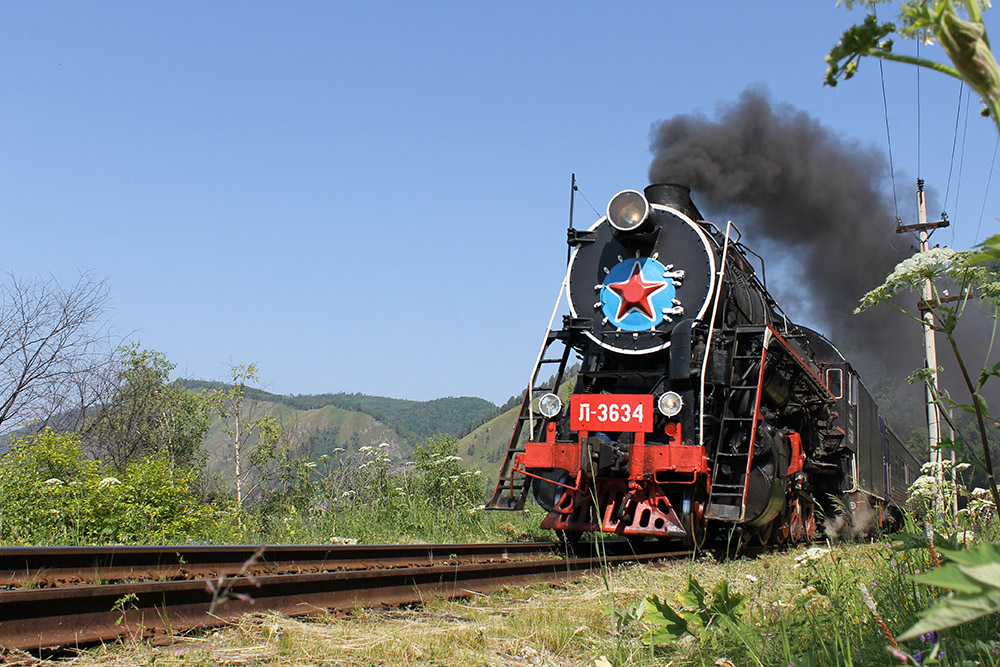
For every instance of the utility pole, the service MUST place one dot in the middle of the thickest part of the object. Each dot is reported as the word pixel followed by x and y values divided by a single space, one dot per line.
pixel 923 229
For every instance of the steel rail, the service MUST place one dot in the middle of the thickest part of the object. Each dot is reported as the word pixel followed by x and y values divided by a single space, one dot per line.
pixel 43 567
pixel 52 618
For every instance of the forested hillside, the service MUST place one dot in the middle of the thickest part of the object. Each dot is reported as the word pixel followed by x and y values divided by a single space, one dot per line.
pixel 412 421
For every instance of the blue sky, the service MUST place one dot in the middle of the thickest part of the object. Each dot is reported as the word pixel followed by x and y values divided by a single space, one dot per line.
pixel 373 196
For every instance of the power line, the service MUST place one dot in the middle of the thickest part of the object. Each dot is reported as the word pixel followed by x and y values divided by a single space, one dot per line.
pixel 961 157
pixel 989 179
pixel 888 141
pixel 954 143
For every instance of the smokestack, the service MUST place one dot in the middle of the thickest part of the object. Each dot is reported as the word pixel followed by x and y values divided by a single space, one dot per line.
pixel 674 195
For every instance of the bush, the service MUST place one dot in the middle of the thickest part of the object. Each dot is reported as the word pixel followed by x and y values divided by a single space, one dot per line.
pixel 51 494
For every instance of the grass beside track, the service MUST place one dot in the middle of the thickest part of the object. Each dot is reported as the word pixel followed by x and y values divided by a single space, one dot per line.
pixel 806 614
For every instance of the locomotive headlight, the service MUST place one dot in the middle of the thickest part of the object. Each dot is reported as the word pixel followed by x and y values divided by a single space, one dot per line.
pixel 627 210
pixel 549 405
pixel 669 404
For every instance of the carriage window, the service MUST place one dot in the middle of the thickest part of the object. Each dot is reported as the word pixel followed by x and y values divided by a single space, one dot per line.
pixel 835 382
pixel 853 398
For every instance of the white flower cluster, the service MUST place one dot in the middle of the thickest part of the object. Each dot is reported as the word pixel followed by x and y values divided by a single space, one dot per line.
pixel 925 488
pixel 980 503
pixel 810 555
pixel 927 264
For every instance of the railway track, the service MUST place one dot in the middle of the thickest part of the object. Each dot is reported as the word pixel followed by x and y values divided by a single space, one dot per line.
pixel 47 567
pixel 66 597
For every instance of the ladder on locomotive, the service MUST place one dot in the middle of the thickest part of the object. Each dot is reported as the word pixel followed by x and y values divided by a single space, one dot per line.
pixel 734 448
pixel 511 493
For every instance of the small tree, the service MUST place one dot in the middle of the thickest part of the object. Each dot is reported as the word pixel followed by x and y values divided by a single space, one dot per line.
pixel 144 413
pixel 53 350
pixel 252 435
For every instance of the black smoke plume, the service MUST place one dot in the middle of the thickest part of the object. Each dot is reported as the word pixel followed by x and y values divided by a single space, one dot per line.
pixel 809 201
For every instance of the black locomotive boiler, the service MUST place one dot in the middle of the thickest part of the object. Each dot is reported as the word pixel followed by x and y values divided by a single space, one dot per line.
pixel 698 405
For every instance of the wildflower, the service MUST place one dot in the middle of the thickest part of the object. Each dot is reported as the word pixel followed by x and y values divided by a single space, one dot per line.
pixel 901 656
pixel 366 448
pixel 751 578
pixel 870 601
pixel 54 480
pixel 108 481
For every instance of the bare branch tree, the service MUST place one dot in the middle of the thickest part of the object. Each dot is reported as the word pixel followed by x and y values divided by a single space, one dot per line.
pixel 54 350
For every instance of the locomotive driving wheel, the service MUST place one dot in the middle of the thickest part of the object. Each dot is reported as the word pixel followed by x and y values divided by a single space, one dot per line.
pixel 765 533
pixel 809 521
pixel 801 520
pixel 796 530
pixel 693 515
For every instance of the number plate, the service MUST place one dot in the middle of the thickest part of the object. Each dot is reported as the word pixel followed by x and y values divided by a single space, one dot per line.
pixel 618 413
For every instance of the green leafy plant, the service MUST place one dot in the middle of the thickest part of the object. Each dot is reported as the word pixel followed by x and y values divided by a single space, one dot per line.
pixel 934 267
pixel 698 614
pixel 973 576
pixel 960 31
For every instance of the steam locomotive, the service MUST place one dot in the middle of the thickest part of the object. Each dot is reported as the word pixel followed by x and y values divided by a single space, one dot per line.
pixel 698 406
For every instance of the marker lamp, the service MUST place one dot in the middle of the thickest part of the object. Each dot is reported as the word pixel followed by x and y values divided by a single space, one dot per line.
pixel 549 405
pixel 669 404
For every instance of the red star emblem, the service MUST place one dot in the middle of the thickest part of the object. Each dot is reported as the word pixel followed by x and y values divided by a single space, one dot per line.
pixel 635 294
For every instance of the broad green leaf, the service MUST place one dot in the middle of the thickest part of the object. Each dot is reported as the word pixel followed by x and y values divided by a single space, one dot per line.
pixel 658 636
pixel 948 576
pixel 693 595
pixel 670 624
pixel 724 602
pixel 953 611
pixel 982 554
pixel 990 250
pixel 988 574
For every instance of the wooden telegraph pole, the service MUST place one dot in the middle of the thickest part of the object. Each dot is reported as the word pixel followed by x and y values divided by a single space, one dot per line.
pixel 923 229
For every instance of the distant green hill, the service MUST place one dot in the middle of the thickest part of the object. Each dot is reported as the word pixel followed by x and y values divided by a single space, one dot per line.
pixel 485 447
pixel 314 432
pixel 413 421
